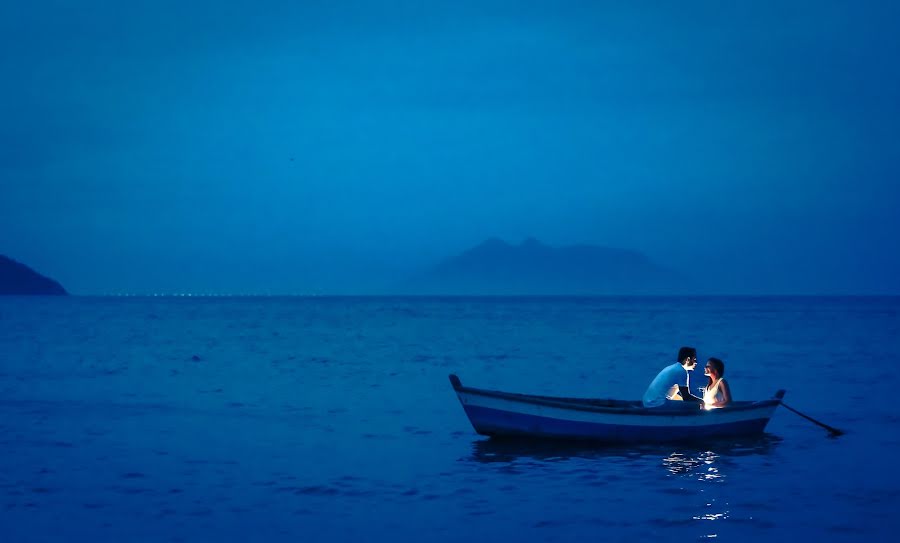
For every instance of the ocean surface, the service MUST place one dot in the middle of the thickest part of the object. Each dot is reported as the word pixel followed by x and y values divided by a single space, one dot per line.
pixel 332 419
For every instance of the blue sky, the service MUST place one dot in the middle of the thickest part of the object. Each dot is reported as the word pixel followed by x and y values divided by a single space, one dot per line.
pixel 294 147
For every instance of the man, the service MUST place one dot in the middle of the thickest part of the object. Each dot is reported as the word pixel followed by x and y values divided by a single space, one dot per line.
pixel 665 386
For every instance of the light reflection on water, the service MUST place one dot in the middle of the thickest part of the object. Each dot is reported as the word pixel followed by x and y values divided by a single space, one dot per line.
pixel 710 465
pixel 696 470
pixel 706 458
pixel 703 464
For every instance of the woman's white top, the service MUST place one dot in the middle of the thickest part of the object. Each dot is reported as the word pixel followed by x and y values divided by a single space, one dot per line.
pixel 712 394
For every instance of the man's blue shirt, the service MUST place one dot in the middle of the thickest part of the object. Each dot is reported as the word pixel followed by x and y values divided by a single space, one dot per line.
pixel 669 376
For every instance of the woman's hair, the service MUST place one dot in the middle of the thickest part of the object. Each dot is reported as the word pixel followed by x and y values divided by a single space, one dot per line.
pixel 718 366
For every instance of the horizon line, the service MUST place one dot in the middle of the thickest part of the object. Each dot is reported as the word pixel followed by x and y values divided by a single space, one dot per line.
pixel 461 296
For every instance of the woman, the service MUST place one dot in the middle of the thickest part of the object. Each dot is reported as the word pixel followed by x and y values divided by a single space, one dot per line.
pixel 716 393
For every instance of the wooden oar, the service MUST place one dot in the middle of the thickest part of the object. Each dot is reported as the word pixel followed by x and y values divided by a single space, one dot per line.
pixel 834 431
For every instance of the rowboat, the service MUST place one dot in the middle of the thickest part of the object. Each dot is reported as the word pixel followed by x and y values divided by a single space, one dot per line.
pixel 505 414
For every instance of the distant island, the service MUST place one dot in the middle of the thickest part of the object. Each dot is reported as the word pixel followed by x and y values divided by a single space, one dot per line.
pixel 19 279
pixel 532 268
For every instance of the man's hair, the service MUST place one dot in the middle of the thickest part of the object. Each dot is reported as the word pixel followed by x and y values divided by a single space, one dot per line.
pixel 686 352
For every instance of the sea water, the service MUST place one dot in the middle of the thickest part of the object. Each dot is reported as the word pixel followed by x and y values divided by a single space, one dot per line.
pixel 332 419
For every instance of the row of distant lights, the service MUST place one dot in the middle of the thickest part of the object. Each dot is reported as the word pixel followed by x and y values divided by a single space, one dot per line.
pixel 202 295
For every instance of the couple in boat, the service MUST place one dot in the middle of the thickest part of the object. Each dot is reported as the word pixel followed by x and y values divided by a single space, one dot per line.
pixel 671 387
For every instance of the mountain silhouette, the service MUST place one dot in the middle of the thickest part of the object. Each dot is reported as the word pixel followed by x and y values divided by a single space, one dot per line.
pixel 19 279
pixel 532 268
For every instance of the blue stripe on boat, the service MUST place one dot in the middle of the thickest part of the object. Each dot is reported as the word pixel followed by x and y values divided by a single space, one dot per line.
pixel 495 422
